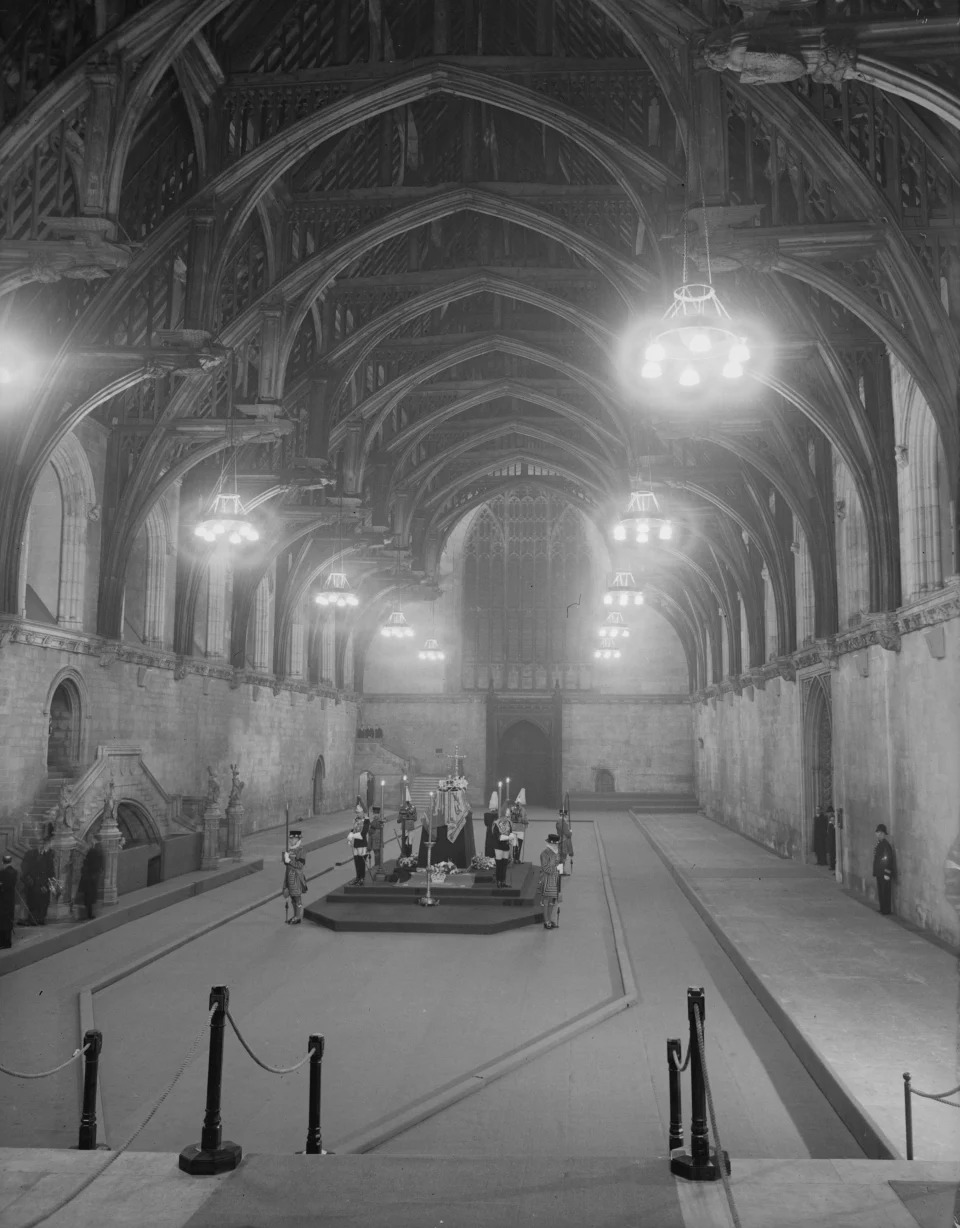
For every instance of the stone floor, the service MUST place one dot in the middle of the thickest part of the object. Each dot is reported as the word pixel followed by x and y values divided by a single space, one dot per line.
pixel 540 1054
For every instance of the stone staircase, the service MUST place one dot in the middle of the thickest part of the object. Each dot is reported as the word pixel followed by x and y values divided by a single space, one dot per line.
pixel 19 833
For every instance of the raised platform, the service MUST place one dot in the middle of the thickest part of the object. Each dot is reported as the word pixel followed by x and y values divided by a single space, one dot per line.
pixel 468 904
pixel 649 803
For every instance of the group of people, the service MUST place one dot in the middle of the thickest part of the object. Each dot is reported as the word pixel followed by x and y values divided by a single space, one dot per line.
pixel 506 834
pixel 825 837
pixel 825 824
pixel 37 885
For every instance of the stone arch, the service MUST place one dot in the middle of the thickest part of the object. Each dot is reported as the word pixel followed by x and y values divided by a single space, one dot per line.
pixel 67 713
pixel 604 781
pixel 525 754
pixel 319 776
pixel 817 768
pixel 853 555
pixel 77 497
pixel 919 454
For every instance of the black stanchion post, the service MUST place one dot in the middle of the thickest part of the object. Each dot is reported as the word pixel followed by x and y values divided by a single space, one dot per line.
pixel 676 1113
pixel 212 1154
pixel 314 1141
pixel 697 1164
pixel 93 1043
pixel 908 1113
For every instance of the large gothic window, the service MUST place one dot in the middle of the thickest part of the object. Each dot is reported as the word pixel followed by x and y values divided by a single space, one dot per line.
pixel 526 561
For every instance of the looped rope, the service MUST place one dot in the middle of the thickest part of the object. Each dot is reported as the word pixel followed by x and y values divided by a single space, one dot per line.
pixel 940 1096
pixel 280 1070
pixel 43 1074
pixel 686 1060
pixel 713 1121
pixel 40 1219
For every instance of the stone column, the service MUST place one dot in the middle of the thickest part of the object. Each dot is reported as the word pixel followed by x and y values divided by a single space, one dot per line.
pixel 110 844
pixel 212 816
pixel 235 831
pixel 64 847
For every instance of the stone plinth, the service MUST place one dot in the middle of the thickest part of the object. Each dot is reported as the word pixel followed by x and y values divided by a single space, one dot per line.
pixel 235 831
pixel 65 870
pixel 212 817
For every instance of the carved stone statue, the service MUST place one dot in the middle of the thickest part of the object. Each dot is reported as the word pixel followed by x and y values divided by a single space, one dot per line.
pixel 109 808
pixel 213 789
pixel 236 786
pixel 776 52
pixel 64 812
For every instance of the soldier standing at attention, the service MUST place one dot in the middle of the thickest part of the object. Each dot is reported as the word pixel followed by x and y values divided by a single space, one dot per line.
pixel 294 879
pixel 8 895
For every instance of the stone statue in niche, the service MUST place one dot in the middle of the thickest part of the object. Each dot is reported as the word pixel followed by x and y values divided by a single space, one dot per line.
pixel 236 787
pixel 64 812
pixel 213 789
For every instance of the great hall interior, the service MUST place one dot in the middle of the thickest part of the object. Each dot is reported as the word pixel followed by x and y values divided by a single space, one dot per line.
pixel 556 392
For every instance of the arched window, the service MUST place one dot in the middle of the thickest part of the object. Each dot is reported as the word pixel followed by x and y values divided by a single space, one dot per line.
pixel 605 782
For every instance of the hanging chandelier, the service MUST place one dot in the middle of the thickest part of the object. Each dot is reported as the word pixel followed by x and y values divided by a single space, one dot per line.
pixel 227 520
pixel 696 342
pixel 623 590
pixel 608 651
pixel 337 590
pixel 396 627
pixel 431 651
pixel 641 518
pixel 614 626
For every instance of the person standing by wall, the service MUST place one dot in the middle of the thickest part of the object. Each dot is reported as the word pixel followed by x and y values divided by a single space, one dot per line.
pixel 294 879
pixel 548 886
pixel 8 900
pixel 88 888
pixel 820 836
pixel 831 838
pixel 884 868
pixel 503 848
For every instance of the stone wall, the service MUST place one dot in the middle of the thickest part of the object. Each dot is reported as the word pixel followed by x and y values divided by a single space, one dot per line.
pixel 644 743
pixel 415 727
pixel 181 726
pixel 896 721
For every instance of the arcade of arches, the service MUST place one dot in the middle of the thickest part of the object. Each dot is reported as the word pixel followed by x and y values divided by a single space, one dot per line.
pixel 371 262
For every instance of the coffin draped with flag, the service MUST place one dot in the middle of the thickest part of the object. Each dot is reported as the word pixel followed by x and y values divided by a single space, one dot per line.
pixel 451 824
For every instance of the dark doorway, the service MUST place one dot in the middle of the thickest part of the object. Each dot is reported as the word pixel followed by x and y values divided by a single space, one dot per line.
pixel 319 772
pixel 605 781
pixel 524 755
pixel 63 733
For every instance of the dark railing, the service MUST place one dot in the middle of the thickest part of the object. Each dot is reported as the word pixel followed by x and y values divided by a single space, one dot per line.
pixel 908 1091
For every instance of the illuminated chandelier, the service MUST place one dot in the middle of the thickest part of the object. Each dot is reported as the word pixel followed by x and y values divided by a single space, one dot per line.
pixel 396 627
pixel 696 341
pixel 227 521
pixel 623 590
pixel 608 651
pixel 336 590
pixel 641 518
pixel 613 626
pixel 431 650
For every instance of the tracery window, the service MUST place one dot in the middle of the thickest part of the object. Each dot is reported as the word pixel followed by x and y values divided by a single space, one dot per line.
pixel 526 559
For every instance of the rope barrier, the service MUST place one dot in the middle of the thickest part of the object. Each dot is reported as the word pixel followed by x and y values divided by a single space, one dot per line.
pixel 686 1061
pixel 941 1096
pixel 41 1219
pixel 280 1070
pixel 43 1074
pixel 713 1123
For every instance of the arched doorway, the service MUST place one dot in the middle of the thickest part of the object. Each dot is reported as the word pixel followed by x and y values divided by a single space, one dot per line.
pixel 524 755
pixel 139 862
pixel 63 732
pixel 817 755
pixel 605 782
pixel 319 774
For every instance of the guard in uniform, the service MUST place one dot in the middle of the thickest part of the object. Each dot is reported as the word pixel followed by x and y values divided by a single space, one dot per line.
pixel 548 886
pixel 503 847
pixel 8 899
pixel 518 817
pixel 357 839
pixel 294 879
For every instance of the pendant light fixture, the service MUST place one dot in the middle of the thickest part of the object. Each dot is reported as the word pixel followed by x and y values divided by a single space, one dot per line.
pixel 623 590
pixel 608 651
pixel 431 650
pixel 642 518
pixel 337 591
pixel 396 627
pixel 227 520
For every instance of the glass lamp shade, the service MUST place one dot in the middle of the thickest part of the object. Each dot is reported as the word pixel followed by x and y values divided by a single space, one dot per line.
pixel 431 651
pixel 396 627
pixel 608 651
pixel 623 591
pixel 227 522
pixel 337 592
pixel 614 627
